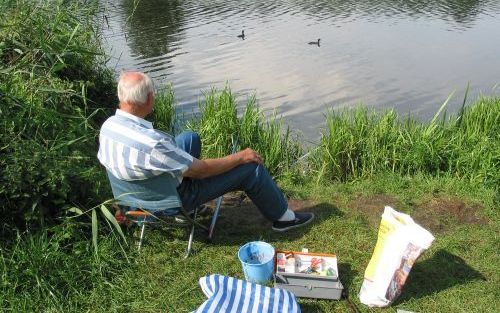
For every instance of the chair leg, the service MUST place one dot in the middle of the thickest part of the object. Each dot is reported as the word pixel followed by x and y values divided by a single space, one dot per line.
pixel 191 235
pixel 211 229
pixel 143 227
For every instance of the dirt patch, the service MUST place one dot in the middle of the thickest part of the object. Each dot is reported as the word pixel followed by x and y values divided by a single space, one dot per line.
pixel 439 214
pixel 301 205
pixel 239 214
pixel 372 206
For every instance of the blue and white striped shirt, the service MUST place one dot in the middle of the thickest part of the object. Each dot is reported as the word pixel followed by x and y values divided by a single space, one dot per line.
pixel 231 295
pixel 131 149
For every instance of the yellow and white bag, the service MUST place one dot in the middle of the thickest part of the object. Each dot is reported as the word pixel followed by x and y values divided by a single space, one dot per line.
pixel 400 242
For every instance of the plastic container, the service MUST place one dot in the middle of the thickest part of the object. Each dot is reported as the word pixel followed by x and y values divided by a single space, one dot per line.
pixel 257 260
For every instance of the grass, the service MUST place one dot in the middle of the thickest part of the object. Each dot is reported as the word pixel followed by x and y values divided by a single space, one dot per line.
pixel 459 265
pixel 220 125
pixel 361 143
pixel 458 273
pixel 55 91
pixel 54 269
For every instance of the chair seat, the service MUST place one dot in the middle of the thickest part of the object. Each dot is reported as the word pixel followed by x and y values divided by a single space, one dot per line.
pixel 158 195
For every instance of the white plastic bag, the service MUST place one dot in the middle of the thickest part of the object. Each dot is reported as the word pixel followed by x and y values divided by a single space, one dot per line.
pixel 400 242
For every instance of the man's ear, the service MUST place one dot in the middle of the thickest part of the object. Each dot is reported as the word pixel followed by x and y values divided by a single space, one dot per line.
pixel 151 99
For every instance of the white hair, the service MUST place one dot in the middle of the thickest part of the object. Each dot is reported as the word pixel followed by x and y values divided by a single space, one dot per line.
pixel 135 91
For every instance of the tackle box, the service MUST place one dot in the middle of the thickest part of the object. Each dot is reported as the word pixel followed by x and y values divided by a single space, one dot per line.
pixel 305 285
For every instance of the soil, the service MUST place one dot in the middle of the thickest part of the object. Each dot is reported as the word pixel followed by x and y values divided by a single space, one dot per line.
pixel 439 214
pixel 239 214
pixel 372 206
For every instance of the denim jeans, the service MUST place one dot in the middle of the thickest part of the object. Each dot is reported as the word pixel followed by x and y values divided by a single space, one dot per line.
pixel 251 178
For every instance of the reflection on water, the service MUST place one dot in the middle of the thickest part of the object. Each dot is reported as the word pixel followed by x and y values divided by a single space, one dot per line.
pixel 404 54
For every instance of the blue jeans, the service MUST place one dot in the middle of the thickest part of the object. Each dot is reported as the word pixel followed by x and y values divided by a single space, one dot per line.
pixel 251 178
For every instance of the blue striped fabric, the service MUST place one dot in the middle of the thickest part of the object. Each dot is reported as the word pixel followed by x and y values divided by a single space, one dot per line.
pixel 231 295
pixel 131 149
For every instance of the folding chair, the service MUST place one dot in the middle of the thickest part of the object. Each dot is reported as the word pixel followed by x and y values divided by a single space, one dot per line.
pixel 149 200
pixel 158 196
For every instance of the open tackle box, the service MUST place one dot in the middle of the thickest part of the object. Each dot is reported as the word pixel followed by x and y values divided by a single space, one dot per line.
pixel 308 275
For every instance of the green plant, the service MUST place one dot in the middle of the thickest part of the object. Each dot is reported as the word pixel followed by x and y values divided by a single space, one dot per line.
pixel 55 269
pixel 220 127
pixel 217 122
pixel 164 116
pixel 363 143
pixel 270 138
pixel 53 87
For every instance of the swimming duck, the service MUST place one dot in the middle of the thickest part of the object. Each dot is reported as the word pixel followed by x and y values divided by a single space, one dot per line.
pixel 242 36
pixel 314 42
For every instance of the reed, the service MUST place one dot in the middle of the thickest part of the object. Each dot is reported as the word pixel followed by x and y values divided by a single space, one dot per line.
pixel 164 115
pixel 358 143
pixel 270 137
pixel 217 122
pixel 220 126
pixel 361 143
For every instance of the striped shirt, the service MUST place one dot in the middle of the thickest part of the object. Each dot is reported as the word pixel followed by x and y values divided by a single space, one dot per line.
pixel 131 149
pixel 231 295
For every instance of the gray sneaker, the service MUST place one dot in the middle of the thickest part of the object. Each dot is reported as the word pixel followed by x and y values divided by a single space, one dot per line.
pixel 301 219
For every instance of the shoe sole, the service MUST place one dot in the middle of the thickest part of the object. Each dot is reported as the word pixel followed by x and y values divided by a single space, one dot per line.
pixel 181 219
pixel 281 230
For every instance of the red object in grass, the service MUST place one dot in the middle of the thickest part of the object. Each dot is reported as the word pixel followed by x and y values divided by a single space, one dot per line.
pixel 120 217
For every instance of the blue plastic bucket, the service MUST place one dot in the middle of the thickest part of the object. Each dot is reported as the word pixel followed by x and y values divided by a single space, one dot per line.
pixel 257 259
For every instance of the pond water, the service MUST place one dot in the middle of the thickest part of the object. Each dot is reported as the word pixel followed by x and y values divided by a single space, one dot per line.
pixel 407 55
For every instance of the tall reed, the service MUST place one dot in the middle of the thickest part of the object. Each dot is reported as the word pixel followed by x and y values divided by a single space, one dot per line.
pixel 164 116
pixel 220 127
pixel 361 143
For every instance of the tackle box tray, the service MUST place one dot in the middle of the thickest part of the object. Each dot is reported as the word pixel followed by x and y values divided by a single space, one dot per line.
pixel 309 286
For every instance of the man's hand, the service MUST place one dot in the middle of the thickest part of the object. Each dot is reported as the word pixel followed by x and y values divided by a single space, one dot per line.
pixel 248 156
pixel 210 167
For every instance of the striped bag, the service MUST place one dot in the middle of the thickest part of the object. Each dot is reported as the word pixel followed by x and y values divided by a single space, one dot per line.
pixel 228 294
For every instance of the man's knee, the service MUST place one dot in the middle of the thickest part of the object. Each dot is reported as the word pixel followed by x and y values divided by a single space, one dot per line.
pixel 249 168
pixel 188 136
pixel 254 172
pixel 190 142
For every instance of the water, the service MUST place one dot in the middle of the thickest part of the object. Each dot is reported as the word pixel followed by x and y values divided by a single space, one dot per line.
pixel 407 55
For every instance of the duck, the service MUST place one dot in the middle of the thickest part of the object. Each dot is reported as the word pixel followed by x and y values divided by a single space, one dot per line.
pixel 242 36
pixel 314 42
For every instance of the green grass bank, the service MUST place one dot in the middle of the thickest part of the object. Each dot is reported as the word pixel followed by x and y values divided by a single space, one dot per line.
pixel 55 90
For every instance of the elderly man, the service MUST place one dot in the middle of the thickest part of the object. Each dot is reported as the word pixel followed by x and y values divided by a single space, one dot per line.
pixel 131 149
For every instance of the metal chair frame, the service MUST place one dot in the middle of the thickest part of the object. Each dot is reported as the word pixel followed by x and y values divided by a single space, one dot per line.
pixel 141 218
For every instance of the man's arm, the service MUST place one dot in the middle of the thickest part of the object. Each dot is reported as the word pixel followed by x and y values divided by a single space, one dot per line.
pixel 211 167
